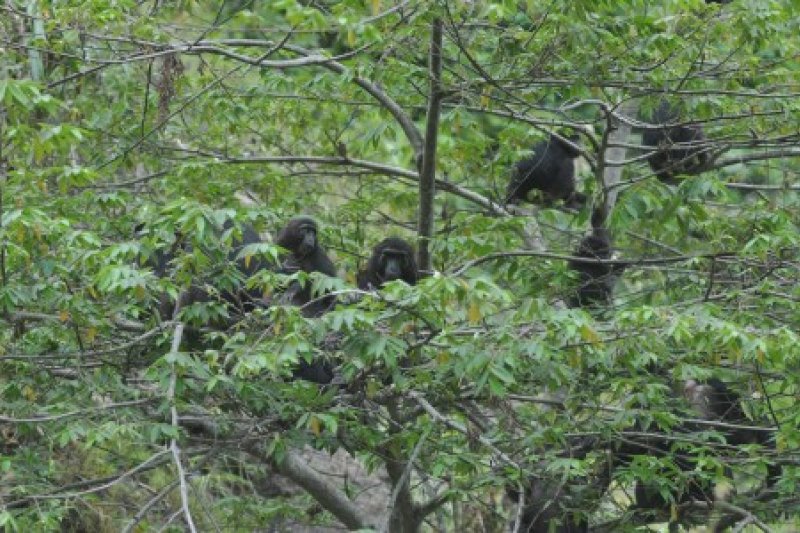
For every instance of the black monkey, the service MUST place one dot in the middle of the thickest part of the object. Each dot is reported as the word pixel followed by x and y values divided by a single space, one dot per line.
pixel 236 297
pixel 551 169
pixel 299 237
pixel 245 300
pixel 391 259
pixel 595 281
pixel 668 161
pixel 544 512
pixel 713 401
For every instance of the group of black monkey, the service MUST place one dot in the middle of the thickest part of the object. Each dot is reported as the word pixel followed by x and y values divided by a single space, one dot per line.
pixel 391 259
pixel 675 149
pixel 551 170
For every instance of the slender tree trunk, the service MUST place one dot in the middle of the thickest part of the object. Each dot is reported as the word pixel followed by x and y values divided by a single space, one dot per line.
pixel 427 170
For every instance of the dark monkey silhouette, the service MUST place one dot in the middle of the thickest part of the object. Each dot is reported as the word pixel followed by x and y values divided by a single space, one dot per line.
pixel 713 401
pixel 299 237
pixel 550 169
pixel 237 298
pixel 595 281
pixel 668 160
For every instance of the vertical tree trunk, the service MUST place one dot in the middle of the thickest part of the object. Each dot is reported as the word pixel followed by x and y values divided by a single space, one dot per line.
pixel 427 170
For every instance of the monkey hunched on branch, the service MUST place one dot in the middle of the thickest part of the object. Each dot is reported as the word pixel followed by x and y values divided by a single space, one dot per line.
pixel 595 281
pixel 232 292
pixel 668 160
pixel 299 237
pixel 550 169
pixel 712 401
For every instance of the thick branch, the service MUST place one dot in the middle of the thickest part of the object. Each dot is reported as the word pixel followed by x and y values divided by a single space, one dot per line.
pixel 402 118
pixel 609 168
pixel 378 168
pixel 328 496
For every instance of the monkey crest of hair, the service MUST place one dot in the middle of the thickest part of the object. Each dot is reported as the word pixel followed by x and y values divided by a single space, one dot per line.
pixel 668 160
pixel 550 169
pixel 391 259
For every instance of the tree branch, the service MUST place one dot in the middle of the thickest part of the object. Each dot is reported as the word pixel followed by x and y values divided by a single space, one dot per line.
pixel 329 497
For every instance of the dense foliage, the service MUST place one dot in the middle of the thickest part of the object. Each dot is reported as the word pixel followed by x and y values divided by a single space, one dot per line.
pixel 130 130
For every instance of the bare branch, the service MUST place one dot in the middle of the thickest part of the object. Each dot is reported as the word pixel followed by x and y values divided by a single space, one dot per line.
pixel 174 448
pixel 328 496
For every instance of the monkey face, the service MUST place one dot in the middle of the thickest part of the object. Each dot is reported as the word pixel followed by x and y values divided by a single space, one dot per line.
pixel 393 262
pixel 299 237
pixel 307 240
pixel 391 259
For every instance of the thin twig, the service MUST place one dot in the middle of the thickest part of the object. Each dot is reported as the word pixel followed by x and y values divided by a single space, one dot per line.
pixel 174 448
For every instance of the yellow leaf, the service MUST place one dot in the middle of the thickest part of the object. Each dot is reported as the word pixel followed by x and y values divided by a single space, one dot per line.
pixel 474 314
pixel 372 389
pixel 37 232
pixel 589 335
pixel 92 292
pixel 20 233
pixel 485 100
pixel 573 360
pixel 723 490
pixel 247 259
pixel 29 393
pixel 760 355
pixel 376 7
pixel 63 315
pixel 351 38
pixel 91 333
pixel 315 425
pixel 443 358
pixel 42 186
